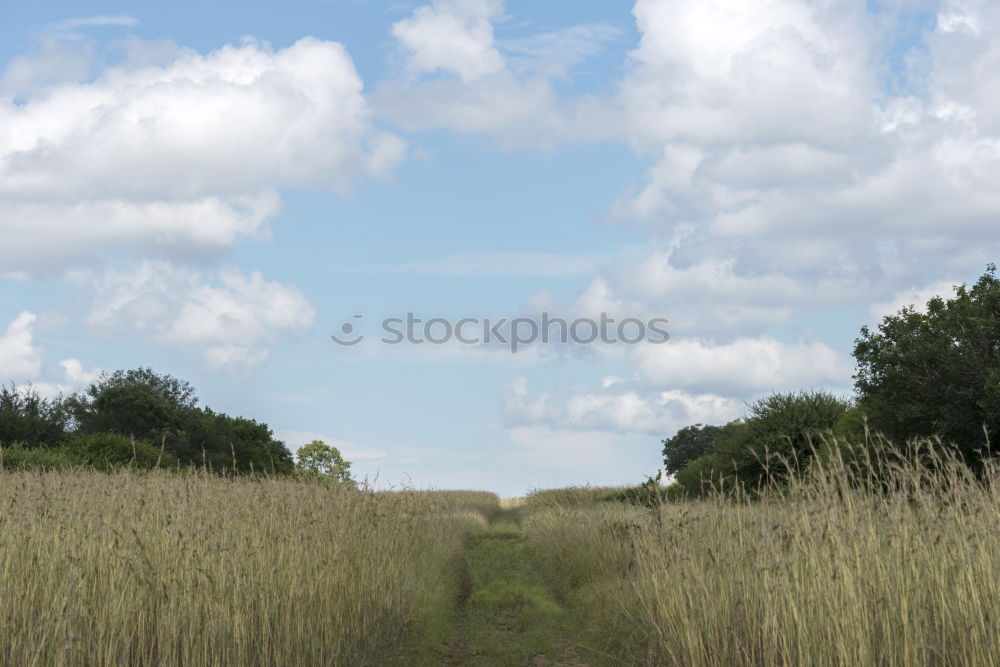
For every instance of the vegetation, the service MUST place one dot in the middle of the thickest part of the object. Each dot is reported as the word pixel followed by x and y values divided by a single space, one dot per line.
pixel 152 568
pixel 936 372
pixel 318 460
pixel 920 374
pixel 138 418
pixel 831 568
pixel 795 535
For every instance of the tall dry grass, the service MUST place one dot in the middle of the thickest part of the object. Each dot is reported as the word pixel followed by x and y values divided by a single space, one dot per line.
pixel 166 569
pixel 837 568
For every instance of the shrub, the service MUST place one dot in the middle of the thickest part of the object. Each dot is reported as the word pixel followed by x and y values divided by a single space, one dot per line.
pixel 782 433
pixel 20 457
pixel 107 451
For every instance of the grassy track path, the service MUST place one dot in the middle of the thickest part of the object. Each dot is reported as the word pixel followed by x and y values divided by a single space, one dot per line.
pixel 507 614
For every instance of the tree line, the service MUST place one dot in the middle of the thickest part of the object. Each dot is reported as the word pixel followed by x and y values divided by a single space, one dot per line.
pixel 144 419
pixel 931 375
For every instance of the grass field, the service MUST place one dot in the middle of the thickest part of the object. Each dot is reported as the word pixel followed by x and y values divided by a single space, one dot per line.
pixel 163 569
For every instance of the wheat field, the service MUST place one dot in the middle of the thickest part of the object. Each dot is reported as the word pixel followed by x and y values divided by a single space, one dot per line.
pixel 832 570
pixel 194 569
pixel 835 568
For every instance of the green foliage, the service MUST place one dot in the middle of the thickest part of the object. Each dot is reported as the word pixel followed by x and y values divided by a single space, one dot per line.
pixel 783 431
pixel 137 403
pixel 780 434
pixel 700 476
pixel 162 409
pixel 650 493
pixel 29 419
pixel 936 373
pixel 108 451
pixel 690 443
pixel 572 495
pixel 320 460
pixel 18 456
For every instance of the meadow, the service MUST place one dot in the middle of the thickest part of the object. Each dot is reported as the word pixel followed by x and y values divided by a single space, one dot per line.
pixel 836 567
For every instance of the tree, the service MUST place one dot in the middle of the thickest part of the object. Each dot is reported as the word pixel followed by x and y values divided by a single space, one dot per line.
pixel 785 429
pixel 690 443
pixel 779 431
pixel 936 372
pixel 163 410
pixel 28 418
pixel 139 403
pixel 318 459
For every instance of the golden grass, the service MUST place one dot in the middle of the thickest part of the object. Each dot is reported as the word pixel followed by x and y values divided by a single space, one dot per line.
pixel 166 569
pixel 830 571
pixel 159 568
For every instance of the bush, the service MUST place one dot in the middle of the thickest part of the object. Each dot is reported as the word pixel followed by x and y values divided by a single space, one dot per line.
pixel 701 476
pixel 692 442
pixel 108 451
pixel 20 457
pixel 782 434
pixel 650 493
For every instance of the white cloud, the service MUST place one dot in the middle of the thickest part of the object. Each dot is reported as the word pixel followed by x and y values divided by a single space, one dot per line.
pixel 69 25
pixel 916 298
pixel 617 407
pixel 504 88
pixel 54 61
pixel 451 35
pixel 230 318
pixel 73 378
pixel 183 157
pixel 554 53
pixel 20 358
pixel 75 373
pixel 21 362
pixel 744 367
pixel 680 383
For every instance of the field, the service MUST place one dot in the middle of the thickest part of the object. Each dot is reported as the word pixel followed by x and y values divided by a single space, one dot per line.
pixel 160 568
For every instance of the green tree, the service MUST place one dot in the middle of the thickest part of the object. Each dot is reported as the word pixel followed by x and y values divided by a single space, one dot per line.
pixel 779 431
pixel 139 403
pixel 318 459
pixel 936 372
pixel 690 443
pixel 163 411
pixel 785 429
pixel 28 418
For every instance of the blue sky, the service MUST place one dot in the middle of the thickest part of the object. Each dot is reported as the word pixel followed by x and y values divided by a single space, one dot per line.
pixel 212 190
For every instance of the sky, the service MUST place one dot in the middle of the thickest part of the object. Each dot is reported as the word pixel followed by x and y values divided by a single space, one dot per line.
pixel 213 190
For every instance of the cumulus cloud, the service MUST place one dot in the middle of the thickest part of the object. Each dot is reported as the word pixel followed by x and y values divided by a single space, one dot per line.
pixel 501 87
pixel 773 143
pixel 451 35
pixel 22 362
pixel 916 298
pixel 744 367
pixel 20 358
pixel 182 157
pixel 614 407
pixel 229 317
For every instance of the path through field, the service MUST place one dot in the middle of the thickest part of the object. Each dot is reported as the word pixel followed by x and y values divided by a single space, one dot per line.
pixel 507 615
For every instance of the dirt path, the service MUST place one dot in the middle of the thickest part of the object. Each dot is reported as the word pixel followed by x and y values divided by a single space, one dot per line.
pixel 507 613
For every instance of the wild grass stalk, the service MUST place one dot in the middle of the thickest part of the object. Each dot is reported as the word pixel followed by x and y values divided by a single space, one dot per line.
pixel 157 568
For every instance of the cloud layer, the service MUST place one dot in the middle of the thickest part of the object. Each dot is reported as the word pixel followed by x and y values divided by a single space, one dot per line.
pixel 228 317
pixel 182 158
